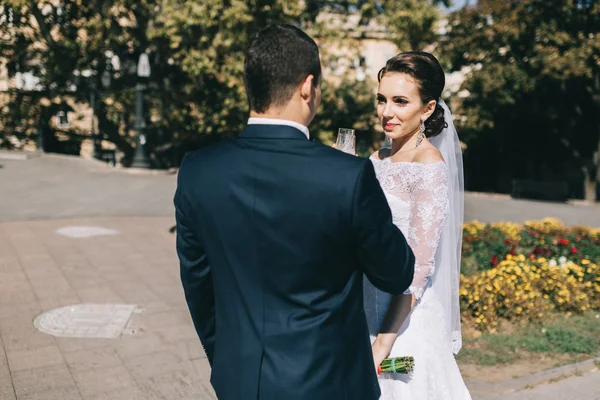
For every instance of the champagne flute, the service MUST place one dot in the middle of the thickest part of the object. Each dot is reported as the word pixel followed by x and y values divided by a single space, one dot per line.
pixel 387 143
pixel 346 141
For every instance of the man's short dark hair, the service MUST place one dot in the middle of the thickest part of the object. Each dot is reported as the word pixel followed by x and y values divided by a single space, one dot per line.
pixel 278 60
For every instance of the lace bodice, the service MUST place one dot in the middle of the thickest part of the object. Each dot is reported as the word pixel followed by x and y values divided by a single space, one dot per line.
pixel 418 197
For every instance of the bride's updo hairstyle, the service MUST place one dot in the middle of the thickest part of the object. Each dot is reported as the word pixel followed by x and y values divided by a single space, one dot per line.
pixel 426 70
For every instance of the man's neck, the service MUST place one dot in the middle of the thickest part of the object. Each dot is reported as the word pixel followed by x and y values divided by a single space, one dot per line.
pixel 288 116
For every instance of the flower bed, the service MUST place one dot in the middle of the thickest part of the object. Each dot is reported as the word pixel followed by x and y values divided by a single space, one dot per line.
pixel 522 272
pixel 486 245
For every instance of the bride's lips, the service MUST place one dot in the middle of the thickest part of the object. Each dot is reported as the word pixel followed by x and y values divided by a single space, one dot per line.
pixel 389 126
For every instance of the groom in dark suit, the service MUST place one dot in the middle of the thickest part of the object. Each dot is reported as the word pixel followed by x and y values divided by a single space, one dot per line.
pixel 274 233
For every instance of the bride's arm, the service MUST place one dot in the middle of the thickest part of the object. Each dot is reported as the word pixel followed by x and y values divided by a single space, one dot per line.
pixel 399 309
pixel 429 208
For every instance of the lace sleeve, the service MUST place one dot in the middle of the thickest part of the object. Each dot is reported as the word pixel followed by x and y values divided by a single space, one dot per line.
pixel 428 212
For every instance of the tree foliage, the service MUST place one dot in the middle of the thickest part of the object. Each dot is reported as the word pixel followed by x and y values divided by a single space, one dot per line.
pixel 195 94
pixel 411 24
pixel 533 78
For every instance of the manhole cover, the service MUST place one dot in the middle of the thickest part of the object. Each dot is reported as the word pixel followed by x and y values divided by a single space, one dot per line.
pixel 96 321
pixel 85 231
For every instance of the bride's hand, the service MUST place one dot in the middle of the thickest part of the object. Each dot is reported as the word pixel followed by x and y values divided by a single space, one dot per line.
pixel 380 352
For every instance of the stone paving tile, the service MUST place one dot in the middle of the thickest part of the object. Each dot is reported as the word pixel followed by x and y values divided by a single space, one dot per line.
pixel 51 287
pixel 163 319
pixel 16 277
pixel 19 360
pixel 39 380
pixel 96 381
pixel 16 295
pixel 144 343
pixel 202 368
pixel 16 324
pixel 176 334
pixel 158 363
pixel 61 300
pixel 69 345
pixel 131 290
pixel 7 390
pixel 25 339
pixel 10 264
pixel 8 311
pixel 54 394
pixel 83 278
pixel 100 294
pixel 124 393
pixel 187 350
pixel 175 385
pixel 92 359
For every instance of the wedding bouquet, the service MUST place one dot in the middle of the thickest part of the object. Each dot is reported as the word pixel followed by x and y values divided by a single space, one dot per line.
pixel 397 365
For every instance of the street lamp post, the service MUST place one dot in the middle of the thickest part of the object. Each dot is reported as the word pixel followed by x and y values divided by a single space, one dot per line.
pixel 97 137
pixel 140 158
pixel 93 129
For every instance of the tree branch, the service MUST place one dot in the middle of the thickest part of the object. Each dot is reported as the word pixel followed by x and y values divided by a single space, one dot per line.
pixel 42 24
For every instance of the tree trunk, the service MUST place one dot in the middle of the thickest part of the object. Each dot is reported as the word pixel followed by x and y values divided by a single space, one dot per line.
pixel 589 186
pixel 592 174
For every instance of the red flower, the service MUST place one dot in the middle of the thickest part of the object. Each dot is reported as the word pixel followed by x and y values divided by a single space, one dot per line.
pixel 507 242
pixel 494 260
pixel 573 250
pixel 469 239
pixel 563 242
pixel 512 251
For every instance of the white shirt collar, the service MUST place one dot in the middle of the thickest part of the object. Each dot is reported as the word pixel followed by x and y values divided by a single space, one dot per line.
pixel 273 121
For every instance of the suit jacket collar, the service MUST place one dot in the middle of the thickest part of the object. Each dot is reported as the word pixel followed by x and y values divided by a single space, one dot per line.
pixel 259 131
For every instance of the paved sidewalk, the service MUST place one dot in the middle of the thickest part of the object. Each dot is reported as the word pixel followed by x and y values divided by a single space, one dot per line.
pixel 41 270
pixel 586 387
pixel 54 186
pixel 163 360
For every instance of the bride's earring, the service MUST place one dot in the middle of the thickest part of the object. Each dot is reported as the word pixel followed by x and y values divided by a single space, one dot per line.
pixel 421 134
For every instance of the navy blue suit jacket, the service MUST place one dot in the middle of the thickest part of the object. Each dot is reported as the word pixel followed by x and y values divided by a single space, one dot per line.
pixel 274 234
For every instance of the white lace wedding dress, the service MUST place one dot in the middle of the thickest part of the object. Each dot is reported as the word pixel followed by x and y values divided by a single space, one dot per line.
pixel 418 197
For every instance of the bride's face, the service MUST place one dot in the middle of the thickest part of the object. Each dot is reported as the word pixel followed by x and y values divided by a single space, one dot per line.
pixel 399 105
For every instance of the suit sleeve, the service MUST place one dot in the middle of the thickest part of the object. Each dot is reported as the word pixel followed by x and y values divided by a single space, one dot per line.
pixel 383 251
pixel 195 273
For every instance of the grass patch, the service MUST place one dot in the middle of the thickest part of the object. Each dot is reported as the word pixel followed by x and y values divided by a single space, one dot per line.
pixel 569 340
pixel 485 357
pixel 577 335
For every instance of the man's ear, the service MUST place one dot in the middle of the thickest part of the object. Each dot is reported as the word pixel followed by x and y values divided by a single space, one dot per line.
pixel 307 88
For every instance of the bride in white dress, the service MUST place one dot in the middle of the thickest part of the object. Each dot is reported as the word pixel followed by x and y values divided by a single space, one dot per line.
pixel 421 176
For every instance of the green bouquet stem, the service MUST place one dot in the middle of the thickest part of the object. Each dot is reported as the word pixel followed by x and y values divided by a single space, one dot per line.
pixel 397 365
